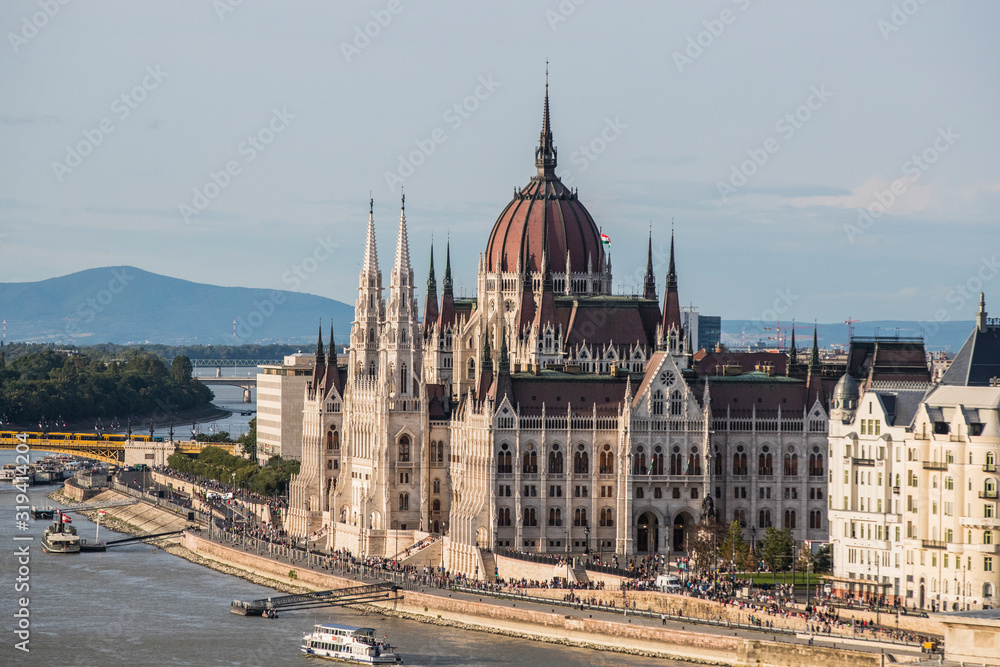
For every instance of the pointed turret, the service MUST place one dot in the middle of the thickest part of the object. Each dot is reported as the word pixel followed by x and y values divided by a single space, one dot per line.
pixel 526 309
pixel 332 378
pixel 370 264
pixel 981 315
pixel 319 369
pixel 671 302
pixel 431 304
pixel 503 365
pixel 649 285
pixel 546 312
pixel 793 355
pixel 485 369
pixel 446 317
pixel 401 267
pixel 545 153
pixel 814 357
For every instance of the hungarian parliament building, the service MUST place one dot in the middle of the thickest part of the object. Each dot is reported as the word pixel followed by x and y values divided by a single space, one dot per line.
pixel 548 415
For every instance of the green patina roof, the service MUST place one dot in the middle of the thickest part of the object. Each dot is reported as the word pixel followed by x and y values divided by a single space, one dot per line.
pixel 752 376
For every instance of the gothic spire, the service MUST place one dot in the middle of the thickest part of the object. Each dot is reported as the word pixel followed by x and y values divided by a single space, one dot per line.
pixel 487 360
pixel 332 354
pixel 649 287
pixel 369 266
pixel 431 303
pixel 814 358
pixel 320 359
pixel 671 300
pixel 448 286
pixel 545 154
pixel 504 364
pixel 793 355
pixel 401 268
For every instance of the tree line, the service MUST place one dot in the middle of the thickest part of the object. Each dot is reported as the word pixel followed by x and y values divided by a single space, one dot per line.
pixel 714 543
pixel 225 468
pixel 48 386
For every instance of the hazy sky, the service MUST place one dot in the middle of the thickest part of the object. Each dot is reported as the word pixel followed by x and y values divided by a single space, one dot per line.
pixel 766 130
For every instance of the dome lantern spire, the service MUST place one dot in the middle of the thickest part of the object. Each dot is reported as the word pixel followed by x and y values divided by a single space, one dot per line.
pixel 545 154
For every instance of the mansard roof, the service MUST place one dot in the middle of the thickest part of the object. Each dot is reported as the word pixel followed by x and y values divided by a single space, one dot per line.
pixel 557 390
pixel 978 361
pixel 601 320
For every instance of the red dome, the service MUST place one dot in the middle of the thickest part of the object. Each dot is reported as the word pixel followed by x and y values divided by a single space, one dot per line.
pixel 545 215
pixel 544 209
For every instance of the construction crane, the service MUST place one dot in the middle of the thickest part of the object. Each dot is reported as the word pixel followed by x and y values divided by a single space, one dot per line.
pixel 781 332
pixel 850 329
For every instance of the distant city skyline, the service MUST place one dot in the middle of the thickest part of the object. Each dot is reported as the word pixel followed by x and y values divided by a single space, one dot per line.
pixel 817 162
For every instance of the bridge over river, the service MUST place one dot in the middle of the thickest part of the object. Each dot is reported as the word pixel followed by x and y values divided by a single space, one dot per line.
pixel 140 449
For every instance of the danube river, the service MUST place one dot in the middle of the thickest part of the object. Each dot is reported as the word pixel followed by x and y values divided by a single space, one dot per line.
pixel 137 605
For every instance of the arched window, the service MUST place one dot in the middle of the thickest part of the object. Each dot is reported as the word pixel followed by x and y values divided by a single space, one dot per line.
pixel 717 468
pixel 657 403
pixel 789 519
pixel 740 461
pixel 764 519
pixel 581 463
pixel 676 461
pixel 639 464
pixel 504 466
pixel 607 461
pixel 580 516
pixel 740 516
pixel 472 369
pixel 656 461
pixel 815 519
pixel 503 516
pixel 436 506
pixel 991 462
pixel 764 466
pixel 529 517
pixel 791 463
pixel 437 486
pixel 329 439
pixel 607 517
pixel 987 537
pixel 949 484
pixel 404 449
pixel 555 461
pixel 676 404
pixel 404 501
pixel 371 335
pixel 555 516
pixel 530 462
pixel 371 368
pixel 694 463
pixel 816 463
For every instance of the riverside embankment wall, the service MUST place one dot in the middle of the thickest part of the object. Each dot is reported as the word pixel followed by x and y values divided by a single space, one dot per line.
pixel 552 626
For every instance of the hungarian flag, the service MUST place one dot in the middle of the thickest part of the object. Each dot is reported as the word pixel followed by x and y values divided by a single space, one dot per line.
pixel 605 239
pixel 102 512
pixel 66 519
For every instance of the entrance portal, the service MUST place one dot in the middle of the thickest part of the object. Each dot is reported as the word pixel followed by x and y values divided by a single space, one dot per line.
pixel 647 538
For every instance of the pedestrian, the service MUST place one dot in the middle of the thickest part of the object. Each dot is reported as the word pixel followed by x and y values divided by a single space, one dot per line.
pixel 663 619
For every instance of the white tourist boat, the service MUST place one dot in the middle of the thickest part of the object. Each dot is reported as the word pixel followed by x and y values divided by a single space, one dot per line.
pixel 349 644
pixel 61 537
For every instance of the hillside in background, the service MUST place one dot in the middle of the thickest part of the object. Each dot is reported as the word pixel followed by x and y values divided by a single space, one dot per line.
pixel 124 304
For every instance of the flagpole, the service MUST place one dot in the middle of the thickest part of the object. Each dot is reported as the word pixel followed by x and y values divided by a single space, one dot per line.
pixel 97 535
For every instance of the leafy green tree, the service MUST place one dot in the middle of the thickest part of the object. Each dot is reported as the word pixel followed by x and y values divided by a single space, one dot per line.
pixel 776 549
pixel 734 549
pixel 823 560
pixel 248 441
pixel 181 369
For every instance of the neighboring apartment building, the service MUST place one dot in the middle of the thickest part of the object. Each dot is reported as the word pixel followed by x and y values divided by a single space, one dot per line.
pixel 280 398
pixel 913 483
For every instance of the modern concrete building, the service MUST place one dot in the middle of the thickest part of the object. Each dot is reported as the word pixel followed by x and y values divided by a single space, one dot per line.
pixel 280 398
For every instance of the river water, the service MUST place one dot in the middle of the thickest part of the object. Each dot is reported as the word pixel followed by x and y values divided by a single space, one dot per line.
pixel 137 605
